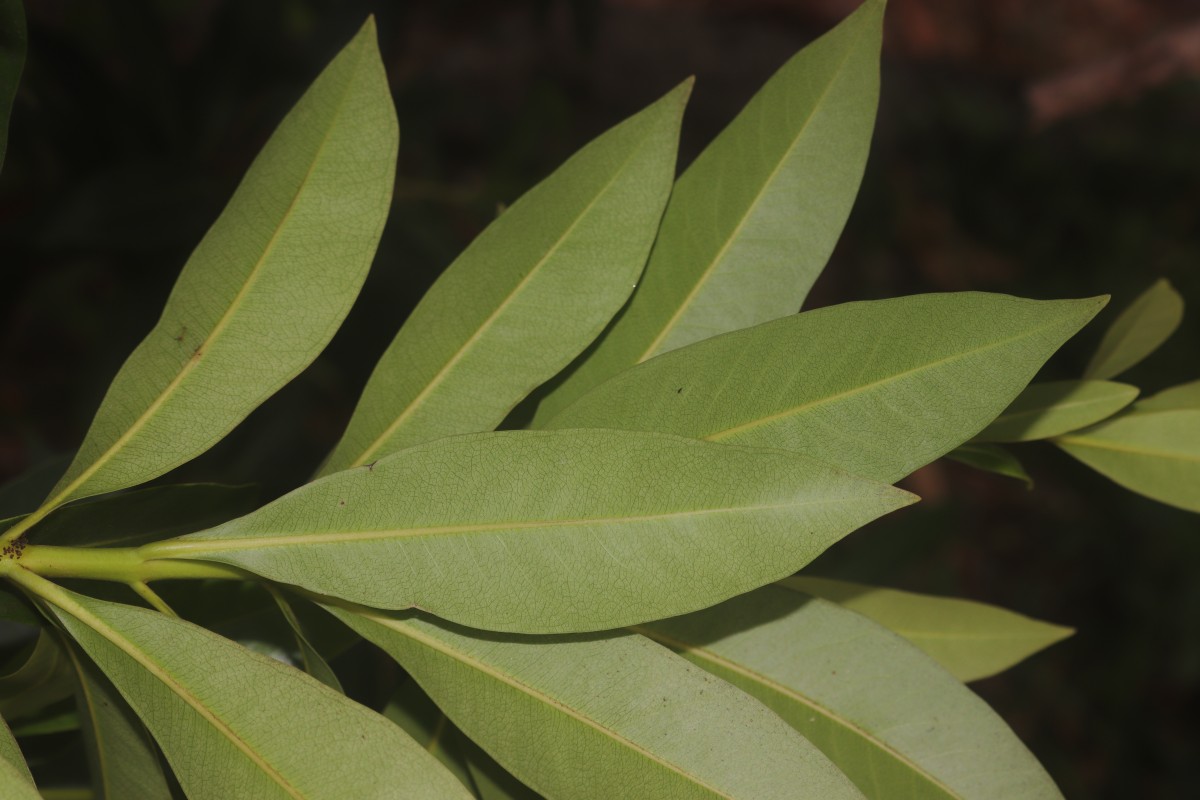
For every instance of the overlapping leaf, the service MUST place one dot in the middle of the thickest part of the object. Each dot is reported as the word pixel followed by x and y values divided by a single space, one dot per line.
pixel 15 781
pixel 1183 396
pixel 233 723
pixel 263 292
pixel 991 458
pixel 878 388
pixel 603 716
pixel 544 532
pixel 1053 408
pixel 971 640
pixel 894 721
pixel 530 293
pixel 753 220
pixel 1138 331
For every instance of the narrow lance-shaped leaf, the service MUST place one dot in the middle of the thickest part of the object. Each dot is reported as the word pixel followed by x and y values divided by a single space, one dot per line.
pixel 526 297
pixel 991 458
pixel 121 755
pixel 264 291
pixel 1050 409
pixel 893 720
pixel 15 781
pixel 1147 323
pixel 13 43
pixel 603 716
pixel 233 723
pixel 545 532
pixel 1183 396
pixel 972 640
pixel 753 220
pixel 878 388
pixel 1155 453
pixel 314 663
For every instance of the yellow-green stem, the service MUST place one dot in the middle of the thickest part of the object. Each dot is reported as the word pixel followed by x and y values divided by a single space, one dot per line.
pixel 121 564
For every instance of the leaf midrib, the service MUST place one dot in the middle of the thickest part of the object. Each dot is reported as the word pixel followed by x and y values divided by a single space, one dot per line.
pixel 1041 410
pixel 788 692
pixel 235 304
pixel 1100 444
pixel 537 694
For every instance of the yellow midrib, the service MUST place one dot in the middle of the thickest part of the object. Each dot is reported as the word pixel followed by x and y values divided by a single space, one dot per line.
pixel 1097 444
pixel 711 269
pixel 479 332
pixel 219 328
pixel 537 694
pixel 788 692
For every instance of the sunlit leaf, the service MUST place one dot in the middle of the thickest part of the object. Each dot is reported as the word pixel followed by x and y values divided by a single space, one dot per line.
pixel 753 220
pixel 1050 409
pixel 264 291
pixel 593 716
pixel 878 388
pixel 526 297
pixel 1155 453
pixel 1138 331
pixel 892 719
pixel 972 640
pixel 544 532
pixel 991 458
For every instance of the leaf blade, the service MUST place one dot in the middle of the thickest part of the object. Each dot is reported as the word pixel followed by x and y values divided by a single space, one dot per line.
pixel 788 168
pixel 507 313
pixel 991 458
pixel 1138 331
pixel 877 388
pixel 596 528
pixel 1049 409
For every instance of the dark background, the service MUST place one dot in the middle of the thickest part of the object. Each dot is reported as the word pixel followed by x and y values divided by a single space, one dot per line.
pixel 1036 148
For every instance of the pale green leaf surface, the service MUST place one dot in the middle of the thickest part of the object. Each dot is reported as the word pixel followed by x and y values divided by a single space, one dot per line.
pixel 878 388
pixel 419 716
pixel 233 723
pixel 1156 454
pixel 266 288
pixel 753 220
pixel 13 43
pixel 991 458
pixel 889 716
pixel 549 532
pixel 121 755
pixel 1138 331
pixel 971 640
pixel 12 760
pixel 16 784
pixel 531 292
pixel 1183 396
pixel 603 716
pixel 1053 408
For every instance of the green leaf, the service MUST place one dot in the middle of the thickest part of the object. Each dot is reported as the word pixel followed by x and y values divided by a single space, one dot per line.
pixel 753 220
pixel 50 722
pixel 526 297
pixel 264 291
pixel 549 532
pixel 122 757
pixel 43 677
pixel 972 640
pixel 878 388
pixel 420 718
pixel 1156 454
pixel 233 723
pixel 587 716
pixel 1139 331
pixel 145 515
pixel 1183 396
pixel 314 663
pixel 894 721
pixel 991 458
pixel 1050 409
pixel 13 42
pixel 15 781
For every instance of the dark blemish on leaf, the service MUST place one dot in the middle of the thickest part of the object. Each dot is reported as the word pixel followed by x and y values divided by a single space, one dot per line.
pixel 199 351
pixel 179 336
pixel 679 390
pixel 371 467
pixel 341 503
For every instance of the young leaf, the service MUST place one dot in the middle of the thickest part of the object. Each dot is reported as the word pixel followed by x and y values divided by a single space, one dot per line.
pixel 894 721
pixel 1147 323
pixel 549 532
pixel 878 388
pixel 12 61
pixel 15 781
pixel 590 717
pixel 991 458
pixel 263 292
pixel 753 220
pixel 123 759
pixel 526 297
pixel 1183 396
pixel 1155 453
pixel 1050 409
pixel 971 640
pixel 233 723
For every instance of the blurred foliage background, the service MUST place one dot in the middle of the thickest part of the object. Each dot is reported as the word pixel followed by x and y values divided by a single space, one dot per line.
pixel 1039 149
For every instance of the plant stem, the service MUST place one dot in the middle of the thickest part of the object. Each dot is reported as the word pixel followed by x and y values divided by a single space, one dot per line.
pixel 121 564
pixel 148 594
